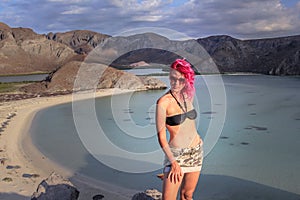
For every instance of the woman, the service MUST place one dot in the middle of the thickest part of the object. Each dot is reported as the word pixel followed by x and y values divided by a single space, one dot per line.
pixel 183 151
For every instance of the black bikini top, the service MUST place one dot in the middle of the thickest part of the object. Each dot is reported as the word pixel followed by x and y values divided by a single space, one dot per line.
pixel 180 118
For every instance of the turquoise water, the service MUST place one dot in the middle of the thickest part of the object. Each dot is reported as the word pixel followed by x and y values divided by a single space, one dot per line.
pixel 255 156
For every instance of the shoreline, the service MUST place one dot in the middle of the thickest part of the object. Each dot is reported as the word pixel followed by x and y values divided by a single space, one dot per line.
pixel 23 166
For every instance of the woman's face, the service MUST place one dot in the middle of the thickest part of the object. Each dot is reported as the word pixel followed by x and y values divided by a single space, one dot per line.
pixel 177 80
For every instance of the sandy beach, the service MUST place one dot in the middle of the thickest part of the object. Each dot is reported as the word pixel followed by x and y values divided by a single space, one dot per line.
pixel 22 166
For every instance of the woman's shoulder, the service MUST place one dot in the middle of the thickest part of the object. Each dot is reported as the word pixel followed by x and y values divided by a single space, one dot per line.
pixel 164 98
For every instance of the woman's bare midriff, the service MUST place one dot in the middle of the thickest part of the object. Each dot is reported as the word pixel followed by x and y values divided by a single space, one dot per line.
pixel 184 135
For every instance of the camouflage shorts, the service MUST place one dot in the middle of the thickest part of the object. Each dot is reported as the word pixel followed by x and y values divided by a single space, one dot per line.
pixel 189 159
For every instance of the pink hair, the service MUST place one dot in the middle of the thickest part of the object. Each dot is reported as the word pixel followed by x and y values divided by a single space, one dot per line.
pixel 184 67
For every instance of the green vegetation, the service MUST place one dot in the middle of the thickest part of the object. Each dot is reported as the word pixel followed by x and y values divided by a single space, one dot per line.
pixel 7 179
pixel 25 74
pixel 11 87
pixel 7 87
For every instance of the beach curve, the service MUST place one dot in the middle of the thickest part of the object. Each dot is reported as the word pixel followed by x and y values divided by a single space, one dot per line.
pixel 23 166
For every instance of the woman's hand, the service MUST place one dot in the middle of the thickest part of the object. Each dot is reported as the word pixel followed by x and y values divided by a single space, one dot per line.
pixel 175 175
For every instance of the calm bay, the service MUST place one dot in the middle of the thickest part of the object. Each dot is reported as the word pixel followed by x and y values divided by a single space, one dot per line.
pixel 254 152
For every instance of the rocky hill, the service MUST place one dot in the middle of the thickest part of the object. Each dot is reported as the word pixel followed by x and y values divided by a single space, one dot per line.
pixel 76 75
pixel 24 51
pixel 274 56
pixel 82 41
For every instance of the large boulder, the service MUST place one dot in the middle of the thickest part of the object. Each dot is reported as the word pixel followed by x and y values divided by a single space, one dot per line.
pixel 55 187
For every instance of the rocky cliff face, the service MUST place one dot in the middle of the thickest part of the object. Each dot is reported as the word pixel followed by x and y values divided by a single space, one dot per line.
pixel 82 41
pixel 24 51
pixel 275 56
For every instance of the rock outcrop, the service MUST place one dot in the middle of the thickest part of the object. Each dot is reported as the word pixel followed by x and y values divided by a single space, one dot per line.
pixel 75 76
pixel 55 187
pixel 149 194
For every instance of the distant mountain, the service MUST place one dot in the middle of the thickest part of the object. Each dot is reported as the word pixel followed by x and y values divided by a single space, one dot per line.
pixel 274 56
pixel 24 51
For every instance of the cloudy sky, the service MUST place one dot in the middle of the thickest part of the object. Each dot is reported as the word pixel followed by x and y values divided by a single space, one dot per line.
pixel 243 19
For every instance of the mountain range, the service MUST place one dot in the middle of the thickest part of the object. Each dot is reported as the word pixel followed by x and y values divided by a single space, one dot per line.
pixel 22 51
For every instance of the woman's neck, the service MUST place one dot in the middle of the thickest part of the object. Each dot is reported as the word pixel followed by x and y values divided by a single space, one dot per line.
pixel 181 104
pixel 177 94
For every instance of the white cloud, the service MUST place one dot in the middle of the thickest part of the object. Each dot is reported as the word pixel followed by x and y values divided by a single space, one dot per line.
pixel 149 18
pixel 135 5
pixel 264 26
pixel 253 18
pixel 74 10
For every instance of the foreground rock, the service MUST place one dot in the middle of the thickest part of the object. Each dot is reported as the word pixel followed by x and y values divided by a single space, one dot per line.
pixel 55 187
pixel 150 194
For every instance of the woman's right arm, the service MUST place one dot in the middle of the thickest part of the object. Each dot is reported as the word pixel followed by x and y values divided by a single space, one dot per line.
pixel 161 108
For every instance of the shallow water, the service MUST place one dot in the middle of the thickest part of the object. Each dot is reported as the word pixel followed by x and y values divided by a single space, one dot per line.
pixel 22 78
pixel 257 149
